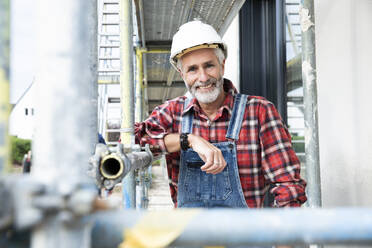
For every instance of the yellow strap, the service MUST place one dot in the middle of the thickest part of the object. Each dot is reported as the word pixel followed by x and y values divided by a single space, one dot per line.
pixel 157 229
pixel 190 49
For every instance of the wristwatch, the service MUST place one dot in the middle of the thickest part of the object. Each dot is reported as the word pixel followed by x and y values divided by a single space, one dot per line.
pixel 184 142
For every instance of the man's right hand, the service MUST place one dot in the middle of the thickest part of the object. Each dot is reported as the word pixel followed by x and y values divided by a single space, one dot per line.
pixel 211 155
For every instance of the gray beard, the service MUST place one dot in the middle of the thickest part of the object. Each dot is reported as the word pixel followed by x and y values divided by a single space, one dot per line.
pixel 210 96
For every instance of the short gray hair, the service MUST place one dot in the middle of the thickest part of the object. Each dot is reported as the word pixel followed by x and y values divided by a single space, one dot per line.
pixel 218 51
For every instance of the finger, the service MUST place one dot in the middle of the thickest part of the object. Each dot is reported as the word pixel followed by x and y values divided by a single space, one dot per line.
pixel 215 164
pixel 206 166
pixel 217 161
pixel 217 168
pixel 221 166
pixel 208 162
pixel 214 171
pixel 204 158
pixel 224 164
pixel 214 168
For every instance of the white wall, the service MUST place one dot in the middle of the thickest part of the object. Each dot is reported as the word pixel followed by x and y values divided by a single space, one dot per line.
pixel 20 124
pixel 344 67
pixel 231 37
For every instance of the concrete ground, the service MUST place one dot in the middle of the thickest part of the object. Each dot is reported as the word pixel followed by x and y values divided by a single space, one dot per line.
pixel 159 193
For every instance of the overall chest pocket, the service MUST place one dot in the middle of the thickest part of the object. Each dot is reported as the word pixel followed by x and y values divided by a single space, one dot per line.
pixel 202 186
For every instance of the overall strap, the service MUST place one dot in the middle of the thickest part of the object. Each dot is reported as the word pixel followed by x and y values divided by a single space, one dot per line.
pixel 187 118
pixel 237 116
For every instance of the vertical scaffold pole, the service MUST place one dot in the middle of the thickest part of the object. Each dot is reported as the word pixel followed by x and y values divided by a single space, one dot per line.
pixel 4 85
pixel 311 103
pixel 141 190
pixel 139 85
pixel 145 105
pixel 66 113
pixel 127 95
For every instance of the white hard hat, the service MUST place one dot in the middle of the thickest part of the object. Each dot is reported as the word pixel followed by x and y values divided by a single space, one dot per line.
pixel 192 36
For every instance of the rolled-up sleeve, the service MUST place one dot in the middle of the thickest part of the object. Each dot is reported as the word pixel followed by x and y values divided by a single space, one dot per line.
pixel 280 164
pixel 153 129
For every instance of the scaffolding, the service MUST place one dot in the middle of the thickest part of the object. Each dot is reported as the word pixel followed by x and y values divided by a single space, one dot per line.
pixel 56 206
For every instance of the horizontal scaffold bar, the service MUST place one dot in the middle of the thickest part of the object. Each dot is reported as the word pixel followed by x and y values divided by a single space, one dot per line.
pixel 153 50
pixel 223 227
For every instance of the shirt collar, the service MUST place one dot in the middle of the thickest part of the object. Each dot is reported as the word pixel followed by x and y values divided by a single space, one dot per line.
pixel 228 103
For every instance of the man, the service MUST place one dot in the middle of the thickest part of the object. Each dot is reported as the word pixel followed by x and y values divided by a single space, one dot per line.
pixel 223 149
pixel 26 162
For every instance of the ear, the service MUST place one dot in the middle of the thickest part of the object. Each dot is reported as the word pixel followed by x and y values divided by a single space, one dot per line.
pixel 223 67
pixel 180 72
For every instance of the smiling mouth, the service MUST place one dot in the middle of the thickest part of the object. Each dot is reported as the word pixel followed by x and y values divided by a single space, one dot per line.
pixel 208 86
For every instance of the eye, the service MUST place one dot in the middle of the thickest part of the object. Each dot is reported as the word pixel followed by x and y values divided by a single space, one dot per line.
pixel 209 65
pixel 191 69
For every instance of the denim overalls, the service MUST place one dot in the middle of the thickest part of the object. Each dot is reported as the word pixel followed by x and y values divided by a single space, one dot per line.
pixel 199 189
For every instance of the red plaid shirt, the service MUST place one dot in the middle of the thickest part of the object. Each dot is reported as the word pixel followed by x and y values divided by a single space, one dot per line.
pixel 264 151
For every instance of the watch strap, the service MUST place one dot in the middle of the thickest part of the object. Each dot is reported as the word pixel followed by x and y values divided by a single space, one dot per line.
pixel 184 142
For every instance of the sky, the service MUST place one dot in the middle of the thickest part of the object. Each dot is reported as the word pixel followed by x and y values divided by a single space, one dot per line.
pixel 22 47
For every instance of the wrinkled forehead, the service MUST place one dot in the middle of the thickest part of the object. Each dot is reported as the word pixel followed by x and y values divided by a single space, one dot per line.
pixel 199 56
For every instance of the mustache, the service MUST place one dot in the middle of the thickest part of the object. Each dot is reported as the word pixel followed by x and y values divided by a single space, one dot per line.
pixel 208 82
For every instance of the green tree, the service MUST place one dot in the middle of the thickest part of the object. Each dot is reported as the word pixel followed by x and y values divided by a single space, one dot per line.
pixel 19 148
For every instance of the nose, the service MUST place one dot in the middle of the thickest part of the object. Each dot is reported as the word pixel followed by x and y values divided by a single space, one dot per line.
pixel 203 76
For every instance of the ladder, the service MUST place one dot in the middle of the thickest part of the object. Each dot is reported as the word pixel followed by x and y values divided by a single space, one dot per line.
pixel 108 69
pixel 108 42
pixel 293 25
pixel 295 107
pixel 109 115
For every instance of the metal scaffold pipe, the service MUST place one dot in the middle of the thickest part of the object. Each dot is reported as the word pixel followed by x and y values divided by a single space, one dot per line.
pixel 126 72
pixel 66 113
pixel 66 81
pixel 144 64
pixel 310 103
pixel 237 228
pixel 139 85
pixel 112 166
pixel 127 94
pixel 140 160
pixel 4 85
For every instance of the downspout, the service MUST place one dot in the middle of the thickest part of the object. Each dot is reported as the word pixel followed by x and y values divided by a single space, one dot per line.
pixel 311 103
pixel 5 165
pixel 127 96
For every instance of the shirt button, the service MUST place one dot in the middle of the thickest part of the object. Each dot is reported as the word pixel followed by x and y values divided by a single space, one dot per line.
pixel 208 122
